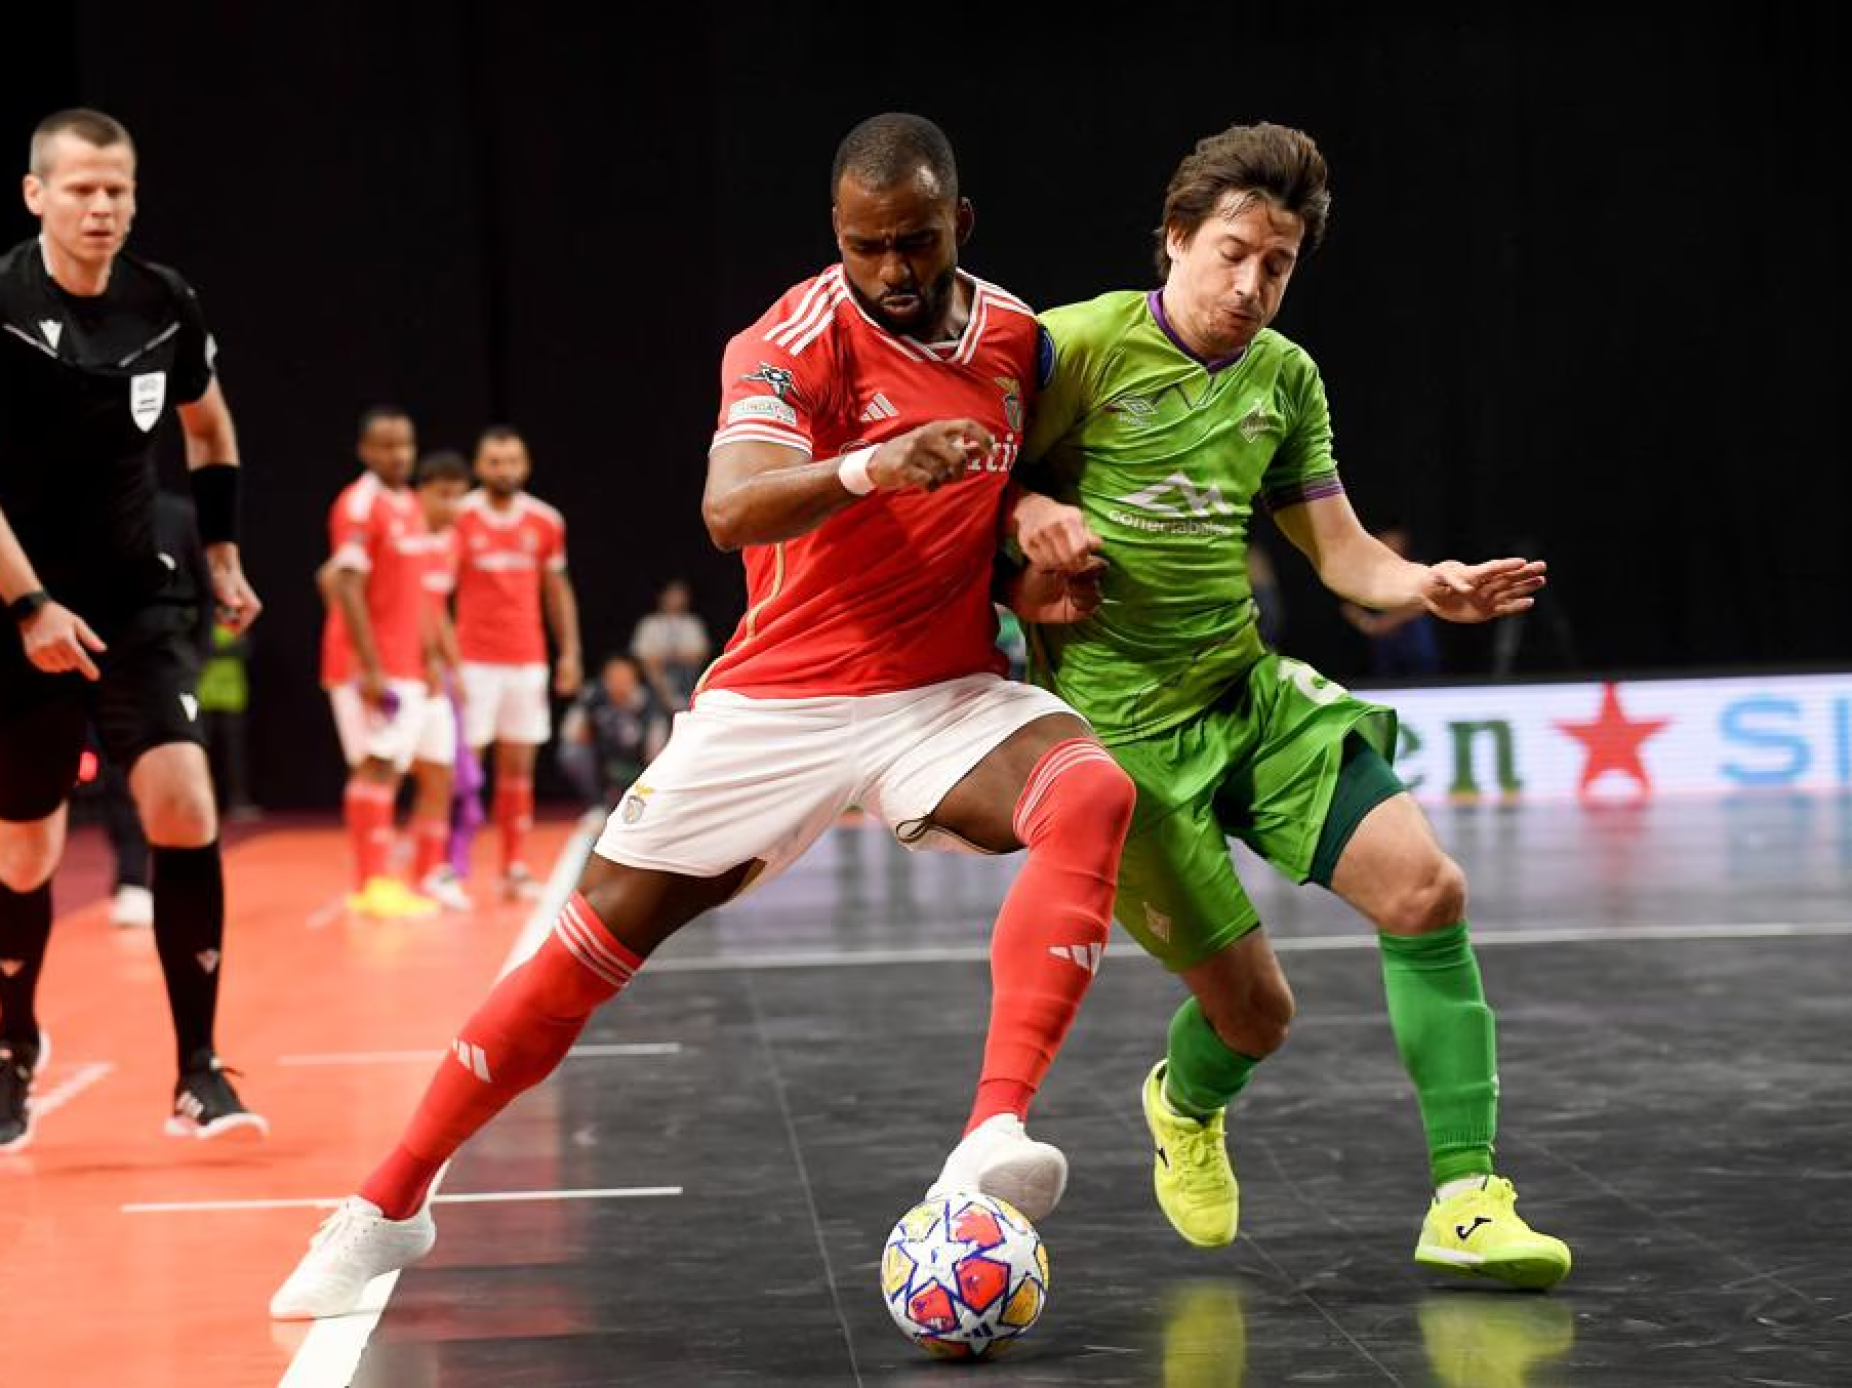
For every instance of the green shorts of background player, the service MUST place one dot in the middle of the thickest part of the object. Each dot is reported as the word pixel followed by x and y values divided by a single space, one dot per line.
pixel 1296 768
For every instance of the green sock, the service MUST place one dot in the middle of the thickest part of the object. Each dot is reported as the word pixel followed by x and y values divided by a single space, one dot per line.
pixel 1448 1041
pixel 1201 1074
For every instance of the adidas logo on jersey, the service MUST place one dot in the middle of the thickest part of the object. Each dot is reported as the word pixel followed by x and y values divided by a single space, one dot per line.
pixel 878 409
pixel 1087 956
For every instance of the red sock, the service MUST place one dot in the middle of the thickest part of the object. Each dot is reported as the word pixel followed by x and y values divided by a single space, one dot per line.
pixel 367 808
pixel 431 840
pixel 515 1039
pixel 514 816
pixel 1051 933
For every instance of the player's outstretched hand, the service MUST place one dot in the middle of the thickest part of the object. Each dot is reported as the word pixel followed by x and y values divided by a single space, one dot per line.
pixel 59 641
pixel 931 456
pixel 1457 592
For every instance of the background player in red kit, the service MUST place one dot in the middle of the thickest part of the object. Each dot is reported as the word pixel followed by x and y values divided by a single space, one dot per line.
pixel 376 659
pixel 512 566
pixel 868 424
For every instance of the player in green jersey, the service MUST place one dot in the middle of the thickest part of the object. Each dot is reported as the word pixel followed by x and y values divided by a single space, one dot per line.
pixel 1165 418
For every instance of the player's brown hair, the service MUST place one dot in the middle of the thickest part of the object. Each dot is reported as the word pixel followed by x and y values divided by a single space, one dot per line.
pixel 92 127
pixel 1274 162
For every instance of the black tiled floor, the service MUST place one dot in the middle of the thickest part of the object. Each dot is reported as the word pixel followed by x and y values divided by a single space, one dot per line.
pixel 1672 989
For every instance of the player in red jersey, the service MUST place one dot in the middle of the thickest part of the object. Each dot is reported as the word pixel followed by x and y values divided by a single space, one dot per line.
pixel 512 553
pixel 376 658
pixel 867 428
pixel 439 482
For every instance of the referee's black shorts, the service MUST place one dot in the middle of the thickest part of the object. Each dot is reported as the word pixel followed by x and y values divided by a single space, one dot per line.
pixel 145 698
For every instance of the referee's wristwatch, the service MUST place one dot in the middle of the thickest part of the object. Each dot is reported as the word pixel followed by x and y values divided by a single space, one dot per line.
pixel 27 605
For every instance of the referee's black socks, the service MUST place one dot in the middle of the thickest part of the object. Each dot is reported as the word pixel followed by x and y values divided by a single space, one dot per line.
pixel 189 930
pixel 25 928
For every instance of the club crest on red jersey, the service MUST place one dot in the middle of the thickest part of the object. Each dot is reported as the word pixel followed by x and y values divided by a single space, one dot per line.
pixel 1012 401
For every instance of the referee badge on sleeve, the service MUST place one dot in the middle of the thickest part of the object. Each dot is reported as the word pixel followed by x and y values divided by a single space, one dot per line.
pixel 147 393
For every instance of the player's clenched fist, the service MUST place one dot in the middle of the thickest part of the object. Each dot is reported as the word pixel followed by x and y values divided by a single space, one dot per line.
pixel 926 458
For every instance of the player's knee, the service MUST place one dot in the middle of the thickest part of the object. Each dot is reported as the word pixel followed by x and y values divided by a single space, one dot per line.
pixel 1432 897
pixel 28 856
pixel 1256 1022
pixel 180 817
pixel 1088 792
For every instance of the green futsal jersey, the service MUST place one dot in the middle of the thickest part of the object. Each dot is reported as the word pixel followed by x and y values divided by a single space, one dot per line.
pixel 1166 455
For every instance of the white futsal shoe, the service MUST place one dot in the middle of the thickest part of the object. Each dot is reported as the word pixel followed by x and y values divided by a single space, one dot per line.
pixel 354 1245
pixel 999 1158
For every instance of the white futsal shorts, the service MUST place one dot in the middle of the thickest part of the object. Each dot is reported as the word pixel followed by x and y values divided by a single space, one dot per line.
pixel 762 778
pixel 422 726
pixel 506 703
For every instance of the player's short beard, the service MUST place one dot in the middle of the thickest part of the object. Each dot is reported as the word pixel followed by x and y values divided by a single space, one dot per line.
pixel 935 308
pixel 501 487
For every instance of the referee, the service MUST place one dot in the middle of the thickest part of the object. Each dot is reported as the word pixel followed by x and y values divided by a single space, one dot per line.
pixel 98 350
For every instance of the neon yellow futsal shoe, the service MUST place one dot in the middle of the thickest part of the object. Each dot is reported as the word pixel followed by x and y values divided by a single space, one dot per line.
pixel 1477 1233
pixel 1191 1173
pixel 387 898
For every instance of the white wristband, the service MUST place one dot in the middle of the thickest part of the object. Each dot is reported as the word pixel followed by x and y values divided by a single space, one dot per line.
pixel 852 471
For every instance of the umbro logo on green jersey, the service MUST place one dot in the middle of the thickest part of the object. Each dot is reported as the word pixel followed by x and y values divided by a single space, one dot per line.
pixel 1254 423
pixel 1133 407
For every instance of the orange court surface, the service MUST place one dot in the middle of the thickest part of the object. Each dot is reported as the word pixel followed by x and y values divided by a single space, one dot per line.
pixel 133 1259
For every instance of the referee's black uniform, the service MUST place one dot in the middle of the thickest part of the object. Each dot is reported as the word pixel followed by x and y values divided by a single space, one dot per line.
pixel 85 387
pixel 87 384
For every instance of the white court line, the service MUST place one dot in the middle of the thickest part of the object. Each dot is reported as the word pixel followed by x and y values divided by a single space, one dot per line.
pixel 331 1351
pixel 1538 935
pixel 593 1052
pixel 91 1073
pixel 323 916
pixel 477 1197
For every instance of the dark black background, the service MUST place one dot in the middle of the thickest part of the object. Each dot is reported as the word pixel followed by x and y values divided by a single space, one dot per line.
pixel 1582 291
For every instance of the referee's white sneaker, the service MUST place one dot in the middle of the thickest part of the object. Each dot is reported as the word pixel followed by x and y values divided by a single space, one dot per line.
pixel 354 1245
pixel 999 1158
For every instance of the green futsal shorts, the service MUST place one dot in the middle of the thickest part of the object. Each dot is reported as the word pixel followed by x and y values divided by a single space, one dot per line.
pixel 1286 761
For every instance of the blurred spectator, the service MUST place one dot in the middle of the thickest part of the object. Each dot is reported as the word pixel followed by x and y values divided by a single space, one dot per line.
pixel 1402 643
pixel 671 645
pixel 610 733
pixel 1518 644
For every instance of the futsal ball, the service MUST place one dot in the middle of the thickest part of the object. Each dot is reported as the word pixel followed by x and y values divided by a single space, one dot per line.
pixel 965 1275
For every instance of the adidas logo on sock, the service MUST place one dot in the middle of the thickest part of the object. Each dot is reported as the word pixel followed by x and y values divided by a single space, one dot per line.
pixel 473 1058
pixel 1087 956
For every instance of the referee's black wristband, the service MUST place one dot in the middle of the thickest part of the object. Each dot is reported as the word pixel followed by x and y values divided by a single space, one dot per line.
pixel 215 498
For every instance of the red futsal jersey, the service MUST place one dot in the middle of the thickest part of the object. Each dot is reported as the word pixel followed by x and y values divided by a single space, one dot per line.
pixel 502 557
pixel 382 533
pixel 893 591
